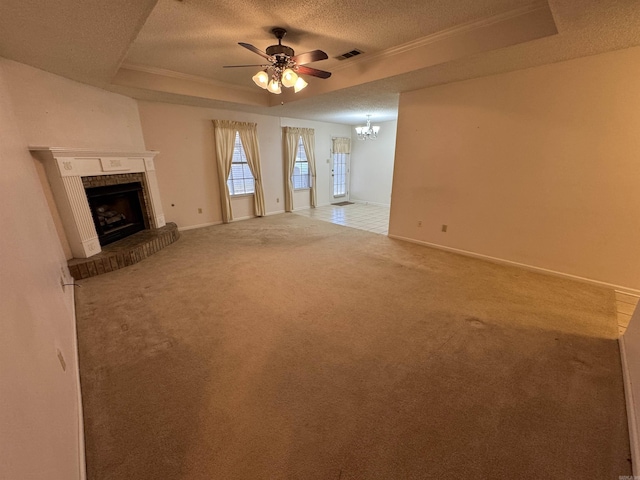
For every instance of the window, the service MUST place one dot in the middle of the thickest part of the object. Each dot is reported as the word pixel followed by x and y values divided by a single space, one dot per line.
pixel 240 181
pixel 300 176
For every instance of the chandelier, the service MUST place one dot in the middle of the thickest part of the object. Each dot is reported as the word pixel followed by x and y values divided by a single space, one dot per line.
pixel 282 75
pixel 367 132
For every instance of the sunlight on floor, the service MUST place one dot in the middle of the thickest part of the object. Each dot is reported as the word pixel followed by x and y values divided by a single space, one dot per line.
pixel 373 218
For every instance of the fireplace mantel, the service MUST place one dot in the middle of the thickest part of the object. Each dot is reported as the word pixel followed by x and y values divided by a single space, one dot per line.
pixel 65 168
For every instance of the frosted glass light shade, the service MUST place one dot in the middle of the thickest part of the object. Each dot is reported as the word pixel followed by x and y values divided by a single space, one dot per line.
pixel 261 79
pixel 367 132
pixel 274 87
pixel 289 78
pixel 300 84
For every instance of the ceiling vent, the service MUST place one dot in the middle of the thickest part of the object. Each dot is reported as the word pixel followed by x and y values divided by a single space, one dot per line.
pixel 350 54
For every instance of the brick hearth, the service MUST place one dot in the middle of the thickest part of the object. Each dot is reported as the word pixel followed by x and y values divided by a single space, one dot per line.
pixel 125 252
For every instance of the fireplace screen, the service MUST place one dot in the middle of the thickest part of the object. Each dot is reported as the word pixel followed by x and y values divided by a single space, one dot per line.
pixel 116 210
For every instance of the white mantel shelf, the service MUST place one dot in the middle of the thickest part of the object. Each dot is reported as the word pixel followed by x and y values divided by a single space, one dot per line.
pixel 88 152
pixel 65 168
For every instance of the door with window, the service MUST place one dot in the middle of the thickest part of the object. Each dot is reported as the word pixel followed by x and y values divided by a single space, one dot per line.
pixel 340 176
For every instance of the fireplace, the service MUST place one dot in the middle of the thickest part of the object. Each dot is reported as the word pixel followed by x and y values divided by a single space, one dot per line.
pixel 116 211
pixel 102 196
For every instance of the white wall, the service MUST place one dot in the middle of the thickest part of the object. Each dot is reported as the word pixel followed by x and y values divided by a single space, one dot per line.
pixel 538 166
pixel 186 167
pixel 372 165
pixel 39 426
pixel 55 112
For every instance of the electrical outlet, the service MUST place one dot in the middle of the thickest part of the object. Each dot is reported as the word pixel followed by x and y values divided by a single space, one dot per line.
pixel 419 223
pixel 199 210
pixel 277 200
pixel 444 228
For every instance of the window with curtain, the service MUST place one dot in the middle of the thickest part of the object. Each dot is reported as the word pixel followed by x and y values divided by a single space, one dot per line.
pixel 301 169
pixel 240 181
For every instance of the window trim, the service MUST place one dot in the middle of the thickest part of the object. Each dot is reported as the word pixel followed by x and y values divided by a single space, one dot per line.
pixel 230 178
pixel 300 148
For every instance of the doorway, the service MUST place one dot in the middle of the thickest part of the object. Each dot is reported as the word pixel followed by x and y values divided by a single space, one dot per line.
pixel 340 176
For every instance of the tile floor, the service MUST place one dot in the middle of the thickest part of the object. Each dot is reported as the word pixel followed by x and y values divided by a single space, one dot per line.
pixel 625 305
pixel 363 216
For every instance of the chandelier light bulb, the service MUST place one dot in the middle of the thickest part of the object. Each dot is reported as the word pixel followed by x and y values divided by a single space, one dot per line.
pixel 274 87
pixel 261 79
pixel 289 78
pixel 299 85
pixel 367 132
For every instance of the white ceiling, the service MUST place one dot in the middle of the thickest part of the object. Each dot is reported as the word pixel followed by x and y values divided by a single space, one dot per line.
pixel 174 50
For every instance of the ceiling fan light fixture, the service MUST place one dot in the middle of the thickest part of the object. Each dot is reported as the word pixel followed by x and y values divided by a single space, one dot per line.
pixel 274 86
pixel 289 78
pixel 284 66
pixel 261 79
pixel 299 85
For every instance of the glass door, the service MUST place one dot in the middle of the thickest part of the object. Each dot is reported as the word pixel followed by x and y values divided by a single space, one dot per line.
pixel 340 174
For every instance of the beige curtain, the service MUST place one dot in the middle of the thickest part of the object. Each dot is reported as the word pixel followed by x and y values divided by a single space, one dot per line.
pixel 249 138
pixel 341 145
pixel 309 141
pixel 290 136
pixel 225 136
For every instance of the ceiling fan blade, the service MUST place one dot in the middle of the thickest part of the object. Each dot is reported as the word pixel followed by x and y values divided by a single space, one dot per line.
pixel 238 66
pixel 309 57
pixel 313 72
pixel 248 46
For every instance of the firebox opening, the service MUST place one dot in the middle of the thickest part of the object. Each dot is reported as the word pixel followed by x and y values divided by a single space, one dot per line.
pixel 116 210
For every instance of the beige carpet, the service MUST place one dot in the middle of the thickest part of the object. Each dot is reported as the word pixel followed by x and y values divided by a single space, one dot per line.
pixel 289 348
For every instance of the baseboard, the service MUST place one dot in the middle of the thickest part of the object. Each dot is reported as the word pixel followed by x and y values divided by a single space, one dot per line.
pixel 202 225
pixel 365 202
pixel 631 294
pixel 631 414
pixel 210 224
pixel 533 268
pixel 82 460
pixel 247 217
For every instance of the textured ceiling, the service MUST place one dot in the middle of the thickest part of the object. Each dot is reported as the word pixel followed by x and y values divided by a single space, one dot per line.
pixel 175 51
pixel 85 40
pixel 197 37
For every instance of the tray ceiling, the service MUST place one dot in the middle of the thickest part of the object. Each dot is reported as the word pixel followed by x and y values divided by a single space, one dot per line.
pixel 174 50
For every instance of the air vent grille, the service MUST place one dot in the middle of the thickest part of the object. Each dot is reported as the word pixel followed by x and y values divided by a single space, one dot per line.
pixel 350 54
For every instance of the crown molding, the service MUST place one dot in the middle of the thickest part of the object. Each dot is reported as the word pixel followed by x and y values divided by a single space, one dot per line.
pixel 446 34
pixel 183 76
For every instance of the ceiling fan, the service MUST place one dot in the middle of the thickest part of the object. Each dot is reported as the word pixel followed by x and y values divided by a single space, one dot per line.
pixel 284 67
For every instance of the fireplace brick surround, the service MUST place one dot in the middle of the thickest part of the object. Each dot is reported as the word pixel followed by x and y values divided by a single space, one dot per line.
pixel 70 172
